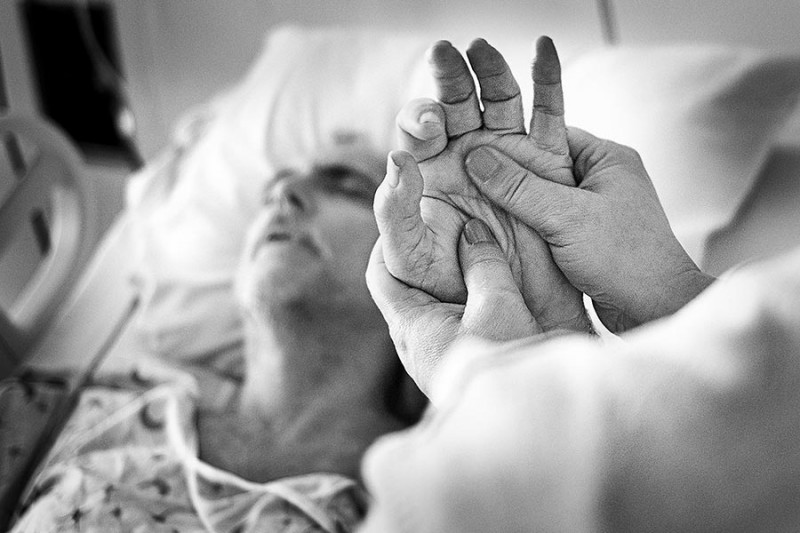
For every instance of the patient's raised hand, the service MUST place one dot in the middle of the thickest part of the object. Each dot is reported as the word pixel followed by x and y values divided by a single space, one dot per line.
pixel 427 196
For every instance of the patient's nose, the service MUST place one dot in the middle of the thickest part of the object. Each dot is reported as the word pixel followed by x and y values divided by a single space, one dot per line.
pixel 292 193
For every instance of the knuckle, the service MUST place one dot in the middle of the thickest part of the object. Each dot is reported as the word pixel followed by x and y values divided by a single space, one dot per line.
pixel 621 151
pixel 630 154
pixel 486 256
pixel 424 149
pixel 497 298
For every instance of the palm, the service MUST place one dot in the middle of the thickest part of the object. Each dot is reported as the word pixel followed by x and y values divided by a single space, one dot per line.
pixel 450 200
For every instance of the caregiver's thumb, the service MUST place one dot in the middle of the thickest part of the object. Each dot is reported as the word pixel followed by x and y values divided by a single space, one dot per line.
pixel 541 204
pixel 495 307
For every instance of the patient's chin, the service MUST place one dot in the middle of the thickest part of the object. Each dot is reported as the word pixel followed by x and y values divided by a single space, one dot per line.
pixel 269 289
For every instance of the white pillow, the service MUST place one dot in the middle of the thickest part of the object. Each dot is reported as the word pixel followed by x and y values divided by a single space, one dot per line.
pixel 191 206
pixel 703 118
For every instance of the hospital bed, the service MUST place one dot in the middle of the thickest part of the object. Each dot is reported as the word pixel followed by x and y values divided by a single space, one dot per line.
pixel 718 127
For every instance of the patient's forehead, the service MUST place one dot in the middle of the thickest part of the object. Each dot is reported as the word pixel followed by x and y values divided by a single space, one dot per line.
pixel 341 148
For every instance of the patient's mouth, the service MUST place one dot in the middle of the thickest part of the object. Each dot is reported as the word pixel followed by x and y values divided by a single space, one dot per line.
pixel 281 237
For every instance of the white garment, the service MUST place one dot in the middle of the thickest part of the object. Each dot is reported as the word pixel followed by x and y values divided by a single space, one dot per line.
pixel 688 424
pixel 127 461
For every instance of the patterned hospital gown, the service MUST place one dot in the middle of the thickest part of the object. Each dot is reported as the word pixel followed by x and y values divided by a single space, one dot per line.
pixel 127 461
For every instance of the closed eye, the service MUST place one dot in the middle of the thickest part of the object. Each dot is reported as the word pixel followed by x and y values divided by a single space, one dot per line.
pixel 334 179
pixel 345 180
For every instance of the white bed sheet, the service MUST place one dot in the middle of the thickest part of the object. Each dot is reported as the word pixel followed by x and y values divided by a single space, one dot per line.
pixel 97 311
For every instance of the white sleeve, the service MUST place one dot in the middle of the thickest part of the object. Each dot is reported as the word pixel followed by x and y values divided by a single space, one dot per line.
pixel 689 423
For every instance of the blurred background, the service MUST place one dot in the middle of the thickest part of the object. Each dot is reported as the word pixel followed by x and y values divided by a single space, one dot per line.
pixel 109 71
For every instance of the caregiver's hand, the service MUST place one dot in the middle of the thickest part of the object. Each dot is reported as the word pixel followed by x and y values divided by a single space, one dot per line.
pixel 609 235
pixel 423 327
pixel 421 210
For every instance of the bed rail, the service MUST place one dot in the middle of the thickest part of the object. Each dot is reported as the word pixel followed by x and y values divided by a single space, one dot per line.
pixel 47 230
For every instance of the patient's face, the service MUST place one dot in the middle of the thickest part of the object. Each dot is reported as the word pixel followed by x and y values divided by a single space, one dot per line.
pixel 314 233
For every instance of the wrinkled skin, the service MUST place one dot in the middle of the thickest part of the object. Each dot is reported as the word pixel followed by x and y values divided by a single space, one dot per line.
pixel 428 197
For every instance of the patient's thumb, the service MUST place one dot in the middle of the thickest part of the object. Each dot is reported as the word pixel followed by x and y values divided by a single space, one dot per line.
pixel 495 307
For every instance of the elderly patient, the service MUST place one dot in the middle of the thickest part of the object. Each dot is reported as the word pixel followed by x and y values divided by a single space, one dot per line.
pixel 322 382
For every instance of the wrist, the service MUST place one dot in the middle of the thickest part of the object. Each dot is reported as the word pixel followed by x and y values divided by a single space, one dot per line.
pixel 653 300
pixel 676 292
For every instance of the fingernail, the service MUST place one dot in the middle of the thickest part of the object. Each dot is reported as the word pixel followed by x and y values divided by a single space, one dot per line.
pixel 392 171
pixel 429 117
pixel 476 231
pixel 482 164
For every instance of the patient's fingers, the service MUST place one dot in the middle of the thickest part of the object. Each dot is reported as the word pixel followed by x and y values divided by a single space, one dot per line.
pixel 455 89
pixel 421 128
pixel 547 123
pixel 397 213
pixel 500 94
